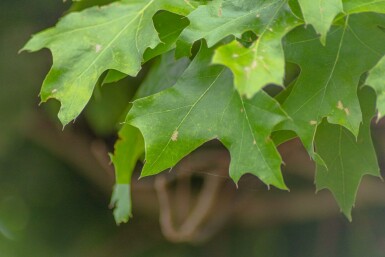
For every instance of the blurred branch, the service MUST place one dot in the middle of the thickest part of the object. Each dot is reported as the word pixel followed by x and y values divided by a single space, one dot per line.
pixel 190 230
pixel 87 156
pixel 254 207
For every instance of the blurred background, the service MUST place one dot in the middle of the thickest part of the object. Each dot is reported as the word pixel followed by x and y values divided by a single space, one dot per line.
pixel 55 185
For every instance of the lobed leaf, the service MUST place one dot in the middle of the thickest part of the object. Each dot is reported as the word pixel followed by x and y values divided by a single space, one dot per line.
pixel 262 63
pixel 344 42
pixel 347 158
pixel 377 82
pixel 169 26
pixel 87 43
pixel 320 14
pixel 121 199
pixel 327 84
pixel 201 106
pixel 130 146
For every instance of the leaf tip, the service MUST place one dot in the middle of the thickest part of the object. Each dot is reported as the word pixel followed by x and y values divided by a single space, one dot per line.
pixel 323 39
pixel 21 50
pixel 121 202
pixel 348 214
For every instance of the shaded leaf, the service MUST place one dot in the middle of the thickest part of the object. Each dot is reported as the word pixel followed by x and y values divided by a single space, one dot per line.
pixel 327 84
pixel 376 79
pixel 107 106
pixel 113 76
pixel 347 159
pixel 128 150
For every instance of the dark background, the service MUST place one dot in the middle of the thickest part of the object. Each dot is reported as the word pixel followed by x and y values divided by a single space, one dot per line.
pixel 54 198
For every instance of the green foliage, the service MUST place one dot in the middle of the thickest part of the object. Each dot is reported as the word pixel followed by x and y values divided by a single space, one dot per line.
pixel 327 84
pixel 349 159
pixel 86 44
pixel 130 146
pixel 201 106
pixel 375 80
pixel 244 45
pixel 321 14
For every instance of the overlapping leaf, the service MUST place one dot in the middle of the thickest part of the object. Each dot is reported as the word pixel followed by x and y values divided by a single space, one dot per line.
pixel 253 67
pixel 330 74
pixel 219 19
pixel 347 158
pixel 130 145
pixel 201 106
pixel 376 79
pixel 86 44
pixel 358 6
pixel 169 26
pixel 320 14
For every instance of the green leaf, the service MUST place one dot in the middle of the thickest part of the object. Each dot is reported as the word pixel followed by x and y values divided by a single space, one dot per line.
pixel 169 26
pixel 326 86
pixel 163 74
pixel 320 14
pixel 201 106
pixel 79 5
pixel 376 79
pixel 130 146
pixel 107 106
pixel 224 18
pixel 296 9
pixel 262 63
pixel 128 150
pixel 121 199
pixel 358 6
pixel 113 76
pixel 87 43
pixel 347 159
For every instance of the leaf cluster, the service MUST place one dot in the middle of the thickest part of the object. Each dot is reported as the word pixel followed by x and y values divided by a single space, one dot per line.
pixel 213 61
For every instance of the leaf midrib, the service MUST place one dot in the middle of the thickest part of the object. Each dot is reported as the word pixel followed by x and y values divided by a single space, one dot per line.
pixel 105 48
pixel 185 117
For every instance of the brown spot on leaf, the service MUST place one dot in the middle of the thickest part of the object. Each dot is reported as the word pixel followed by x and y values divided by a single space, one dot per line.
pixel 174 136
pixel 98 48
pixel 340 105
